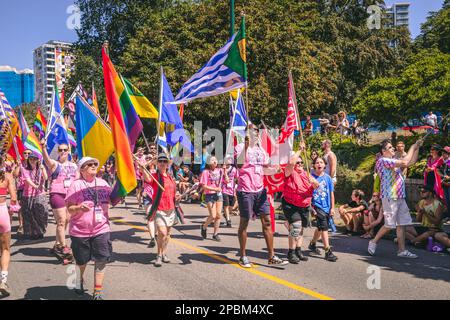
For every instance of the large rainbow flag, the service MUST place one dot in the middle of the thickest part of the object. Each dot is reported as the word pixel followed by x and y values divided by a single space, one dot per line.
pixel 40 123
pixel 125 126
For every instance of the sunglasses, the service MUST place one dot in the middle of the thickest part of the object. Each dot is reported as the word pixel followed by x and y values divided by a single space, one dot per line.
pixel 63 150
pixel 91 165
pixel 27 153
pixel 300 162
pixel 163 161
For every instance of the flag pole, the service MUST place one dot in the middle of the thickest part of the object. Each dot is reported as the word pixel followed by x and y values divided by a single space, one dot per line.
pixel 232 122
pixel 160 109
pixel 302 140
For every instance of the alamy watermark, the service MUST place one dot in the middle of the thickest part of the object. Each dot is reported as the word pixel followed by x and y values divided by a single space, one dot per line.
pixel 374 279
pixel 73 22
pixel 374 20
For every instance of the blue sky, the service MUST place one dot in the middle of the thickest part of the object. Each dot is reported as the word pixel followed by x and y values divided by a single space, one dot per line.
pixel 25 25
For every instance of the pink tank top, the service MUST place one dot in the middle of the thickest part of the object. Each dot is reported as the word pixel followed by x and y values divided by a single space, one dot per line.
pixel 64 178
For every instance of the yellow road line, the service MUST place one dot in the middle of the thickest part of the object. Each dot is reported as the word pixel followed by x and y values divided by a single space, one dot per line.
pixel 234 264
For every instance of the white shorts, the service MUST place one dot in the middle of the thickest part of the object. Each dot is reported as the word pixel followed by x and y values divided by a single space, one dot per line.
pixel 396 213
pixel 165 218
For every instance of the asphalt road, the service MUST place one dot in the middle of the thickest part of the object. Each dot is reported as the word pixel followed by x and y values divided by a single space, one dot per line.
pixel 205 269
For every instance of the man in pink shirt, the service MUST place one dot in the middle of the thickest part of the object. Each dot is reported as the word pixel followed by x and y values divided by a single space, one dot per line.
pixel 253 163
pixel 88 201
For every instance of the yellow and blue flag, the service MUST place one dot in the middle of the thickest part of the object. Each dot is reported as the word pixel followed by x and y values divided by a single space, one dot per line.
pixel 94 137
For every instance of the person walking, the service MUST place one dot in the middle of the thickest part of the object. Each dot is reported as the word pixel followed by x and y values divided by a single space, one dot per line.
pixel 253 163
pixel 163 206
pixel 393 195
pixel 297 195
pixel 62 173
pixel 34 201
pixel 229 189
pixel 211 181
pixel 87 201
pixel 7 186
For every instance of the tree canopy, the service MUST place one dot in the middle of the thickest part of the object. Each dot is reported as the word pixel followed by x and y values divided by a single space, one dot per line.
pixel 326 44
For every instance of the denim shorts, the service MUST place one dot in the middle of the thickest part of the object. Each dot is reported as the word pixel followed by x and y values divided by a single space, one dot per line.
pixel 213 198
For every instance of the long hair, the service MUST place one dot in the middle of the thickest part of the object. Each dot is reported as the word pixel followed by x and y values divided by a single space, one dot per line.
pixel 2 169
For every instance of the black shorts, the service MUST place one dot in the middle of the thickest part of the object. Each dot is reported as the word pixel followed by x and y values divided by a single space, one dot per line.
pixel 421 229
pixel 98 248
pixel 295 214
pixel 251 203
pixel 321 219
pixel 228 200
pixel 19 195
pixel 140 184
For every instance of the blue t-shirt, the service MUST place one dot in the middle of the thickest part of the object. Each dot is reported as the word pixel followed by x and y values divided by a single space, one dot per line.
pixel 204 159
pixel 322 195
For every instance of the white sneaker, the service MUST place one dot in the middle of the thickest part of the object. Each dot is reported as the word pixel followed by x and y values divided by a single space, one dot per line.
pixel 372 248
pixel 407 254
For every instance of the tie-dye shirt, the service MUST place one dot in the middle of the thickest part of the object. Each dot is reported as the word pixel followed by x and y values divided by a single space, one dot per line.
pixel 392 180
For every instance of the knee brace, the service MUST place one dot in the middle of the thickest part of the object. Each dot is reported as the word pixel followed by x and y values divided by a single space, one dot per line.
pixel 100 267
pixel 295 229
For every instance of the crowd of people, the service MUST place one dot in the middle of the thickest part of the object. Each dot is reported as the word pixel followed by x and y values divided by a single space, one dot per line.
pixel 79 194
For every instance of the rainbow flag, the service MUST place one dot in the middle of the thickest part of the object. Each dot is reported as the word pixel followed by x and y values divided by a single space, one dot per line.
pixel 29 139
pixel 126 128
pixel 94 99
pixel 71 136
pixel 40 123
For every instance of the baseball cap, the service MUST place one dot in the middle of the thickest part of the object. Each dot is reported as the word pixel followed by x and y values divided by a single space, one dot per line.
pixel 163 157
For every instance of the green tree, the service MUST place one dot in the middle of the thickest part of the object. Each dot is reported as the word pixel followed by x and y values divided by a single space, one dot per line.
pixel 424 85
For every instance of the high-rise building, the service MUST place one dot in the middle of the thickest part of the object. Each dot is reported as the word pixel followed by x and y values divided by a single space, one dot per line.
pixel 18 86
pixel 397 15
pixel 53 64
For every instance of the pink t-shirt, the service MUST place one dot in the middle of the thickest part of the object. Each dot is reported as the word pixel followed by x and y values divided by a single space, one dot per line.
pixel 141 160
pixel 211 178
pixel 20 183
pixel 251 175
pixel 67 174
pixel 94 222
pixel 37 178
pixel 228 188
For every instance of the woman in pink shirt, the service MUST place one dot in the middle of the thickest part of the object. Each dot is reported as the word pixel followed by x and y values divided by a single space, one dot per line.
pixel 34 201
pixel 62 174
pixel 211 181
pixel 229 188
pixel 88 201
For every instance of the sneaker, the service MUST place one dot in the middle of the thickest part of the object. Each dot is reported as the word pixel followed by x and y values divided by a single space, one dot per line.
pixel 277 261
pixel 329 256
pixel 141 207
pixel 4 289
pixel 152 243
pixel 216 238
pixel 292 257
pixel 20 231
pixel 203 232
pixel 203 205
pixel 407 254
pixel 299 254
pixel 244 262
pixel 372 248
pixel 312 247
pixel 165 259
pixel 229 224
pixel 97 296
pixel 158 261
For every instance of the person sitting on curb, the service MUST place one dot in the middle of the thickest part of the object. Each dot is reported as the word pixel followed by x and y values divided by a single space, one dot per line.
pixel 352 212
pixel 373 217
pixel 429 213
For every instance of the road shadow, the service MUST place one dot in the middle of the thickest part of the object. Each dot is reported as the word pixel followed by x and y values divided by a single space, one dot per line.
pixel 188 258
pixel 53 293
pixel 433 266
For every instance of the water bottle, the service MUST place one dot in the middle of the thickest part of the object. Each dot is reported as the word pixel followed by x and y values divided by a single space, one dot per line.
pixel 430 244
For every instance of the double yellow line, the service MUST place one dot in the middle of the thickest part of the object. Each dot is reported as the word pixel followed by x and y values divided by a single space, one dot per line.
pixel 259 273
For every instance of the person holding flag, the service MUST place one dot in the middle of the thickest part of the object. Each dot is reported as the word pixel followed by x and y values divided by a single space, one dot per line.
pixel 63 173
pixel 298 190
pixel 253 164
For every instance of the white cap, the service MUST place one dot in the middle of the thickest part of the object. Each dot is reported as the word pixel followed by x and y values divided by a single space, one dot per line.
pixel 85 160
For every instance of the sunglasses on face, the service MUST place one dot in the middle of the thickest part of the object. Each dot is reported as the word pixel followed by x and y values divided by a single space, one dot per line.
pixel 90 165
pixel 299 163
pixel 163 161
pixel 63 150
pixel 27 153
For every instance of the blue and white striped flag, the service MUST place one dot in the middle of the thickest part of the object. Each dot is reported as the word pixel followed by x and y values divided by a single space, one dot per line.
pixel 218 76
pixel 56 129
